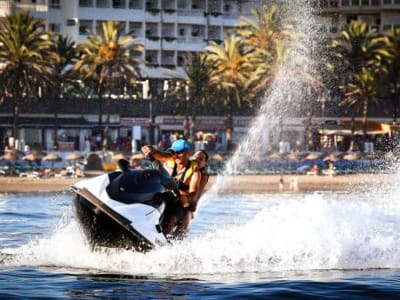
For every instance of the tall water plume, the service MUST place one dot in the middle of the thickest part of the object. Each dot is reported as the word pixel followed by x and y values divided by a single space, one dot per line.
pixel 289 90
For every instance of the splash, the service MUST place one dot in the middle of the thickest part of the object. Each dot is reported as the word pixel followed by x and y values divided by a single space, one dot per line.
pixel 288 91
pixel 300 232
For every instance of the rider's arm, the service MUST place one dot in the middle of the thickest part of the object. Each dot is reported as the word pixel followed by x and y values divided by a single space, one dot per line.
pixel 157 154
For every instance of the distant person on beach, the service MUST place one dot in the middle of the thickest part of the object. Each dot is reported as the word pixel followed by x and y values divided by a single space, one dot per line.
pixel 187 177
pixel 314 170
pixel 281 184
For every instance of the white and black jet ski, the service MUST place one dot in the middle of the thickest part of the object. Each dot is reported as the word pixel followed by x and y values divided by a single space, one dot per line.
pixel 123 209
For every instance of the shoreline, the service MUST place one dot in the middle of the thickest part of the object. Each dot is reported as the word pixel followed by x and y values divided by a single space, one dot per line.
pixel 234 184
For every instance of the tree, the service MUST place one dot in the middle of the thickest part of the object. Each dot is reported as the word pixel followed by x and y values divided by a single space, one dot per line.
pixel 231 70
pixel 362 91
pixel 267 35
pixel 26 60
pixel 64 48
pixel 391 63
pixel 359 53
pixel 199 72
pixel 109 61
pixel 358 47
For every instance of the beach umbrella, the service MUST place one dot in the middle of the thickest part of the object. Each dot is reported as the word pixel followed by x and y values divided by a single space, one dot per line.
pixel 217 157
pixel 276 155
pixel 32 157
pixel 74 156
pixel 352 156
pixel 293 156
pixel 118 156
pixel 138 156
pixel 52 157
pixel 313 156
pixel 333 157
pixel 9 156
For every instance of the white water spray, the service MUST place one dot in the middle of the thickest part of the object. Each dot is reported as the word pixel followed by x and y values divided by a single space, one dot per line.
pixel 286 95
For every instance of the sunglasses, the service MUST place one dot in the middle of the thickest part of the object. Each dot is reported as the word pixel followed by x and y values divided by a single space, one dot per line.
pixel 178 152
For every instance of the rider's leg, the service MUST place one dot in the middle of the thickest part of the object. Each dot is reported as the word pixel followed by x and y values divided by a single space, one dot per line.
pixel 183 224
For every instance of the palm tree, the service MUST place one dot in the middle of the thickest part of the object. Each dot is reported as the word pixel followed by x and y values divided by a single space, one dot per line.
pixel 358 55
pixel 231 70
pixel 64 48
pixel 268 35
pixel 26 59
pixel 357 47
pixel 109 61
pixel 392 65
pixel 362 91
pixel 198 71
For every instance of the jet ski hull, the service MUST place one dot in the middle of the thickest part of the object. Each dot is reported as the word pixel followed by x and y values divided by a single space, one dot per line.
pixel 113 215
pixel 101 229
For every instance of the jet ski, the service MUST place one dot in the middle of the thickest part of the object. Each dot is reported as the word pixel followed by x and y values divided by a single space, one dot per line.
pixel 123 209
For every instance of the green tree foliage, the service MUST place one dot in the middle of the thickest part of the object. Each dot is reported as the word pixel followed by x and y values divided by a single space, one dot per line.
pixel 267 37
pixel 199 71
pixel 359 54
pixel 391 64
pixel 109 62
pixel 26 61
pixel 64 79
pixel 232 68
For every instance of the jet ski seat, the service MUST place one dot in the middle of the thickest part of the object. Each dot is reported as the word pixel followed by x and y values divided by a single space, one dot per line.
pixel 135 186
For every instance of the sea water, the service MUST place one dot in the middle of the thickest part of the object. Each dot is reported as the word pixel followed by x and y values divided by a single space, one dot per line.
pixel 335 245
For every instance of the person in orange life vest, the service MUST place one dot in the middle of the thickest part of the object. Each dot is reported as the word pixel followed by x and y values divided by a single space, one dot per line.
pixel 187 176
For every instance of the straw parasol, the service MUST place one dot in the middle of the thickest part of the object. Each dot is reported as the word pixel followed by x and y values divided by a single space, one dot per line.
pixel 293 156
pixel 117 157
pixel 32 157
pixel 313 156
pixel 217 157
pixel 74 156
pixel 276 155
pixel 9 156
pixel 333 157
pixel 352 156
pixel 52 157
pixel 138 156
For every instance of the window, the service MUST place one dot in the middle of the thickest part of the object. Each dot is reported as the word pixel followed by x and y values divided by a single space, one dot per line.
pixel 85 27
pixel 102 4
pixel 118 4
pixel 55 27
pixel 86 3
pixel 365 2
pixel 345 2
pixel 71 22
pixel 54 4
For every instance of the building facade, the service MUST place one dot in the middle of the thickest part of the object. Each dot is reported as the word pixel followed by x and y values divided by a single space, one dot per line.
pixel 168 29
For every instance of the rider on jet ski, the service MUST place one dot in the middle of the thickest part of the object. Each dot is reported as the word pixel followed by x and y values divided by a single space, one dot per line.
pixel 187 177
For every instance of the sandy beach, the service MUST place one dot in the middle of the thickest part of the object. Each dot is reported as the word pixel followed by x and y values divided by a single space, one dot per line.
pixel 247 183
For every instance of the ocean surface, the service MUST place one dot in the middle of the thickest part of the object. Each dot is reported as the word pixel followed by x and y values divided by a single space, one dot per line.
pixel 321 245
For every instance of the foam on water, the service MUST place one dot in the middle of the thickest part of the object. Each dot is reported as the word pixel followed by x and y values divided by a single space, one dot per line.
pixel 303 232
